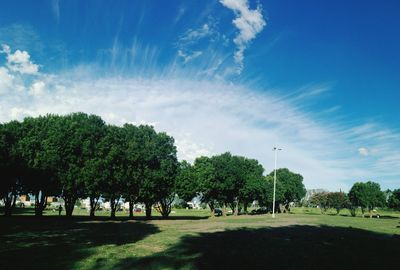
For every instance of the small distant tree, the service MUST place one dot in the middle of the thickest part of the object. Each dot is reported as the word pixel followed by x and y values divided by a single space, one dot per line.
pixel 337 200
pixel 321 200
pixel 394 199
pixel 367 196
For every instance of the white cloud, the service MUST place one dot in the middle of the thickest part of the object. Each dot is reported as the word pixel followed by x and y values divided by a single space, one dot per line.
pixel 37 88
pixel 187 57
pixel 193 35
pixel 248 22
pixel 211 117
pixel 363 151
pixel 19 61
pixel 6 80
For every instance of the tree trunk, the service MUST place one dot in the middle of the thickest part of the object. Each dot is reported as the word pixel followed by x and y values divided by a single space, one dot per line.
pixel 93 205
pixel 245 207
pixel 212 207
pixel 69 205
pixel 224 210
pixel 236 211
pixel 148 209
pixel 131 209
pixel 166 206
pixel 40 203
pixel 353 211
pixel 9 202
pixel 113 205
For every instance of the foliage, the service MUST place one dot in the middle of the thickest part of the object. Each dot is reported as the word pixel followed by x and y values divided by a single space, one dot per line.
pixel 394 199
pixel 10 164
pixel 337 200
pixel 186 185
pixel 321 200
pixel 366 195
pixel 289 187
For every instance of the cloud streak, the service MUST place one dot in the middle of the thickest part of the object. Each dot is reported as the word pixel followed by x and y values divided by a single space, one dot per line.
pixel 211 117
pixel 248 23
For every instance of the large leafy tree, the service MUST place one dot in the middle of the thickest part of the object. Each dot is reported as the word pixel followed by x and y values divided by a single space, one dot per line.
pixel 158 168
pixel 76 137
pixel 113 153
pixel 230 180
pixel 41 158
pixel 11 167
pixel 254 185
pixel 291 186
pixel 367 196
pixel 133 151
pixel 205 176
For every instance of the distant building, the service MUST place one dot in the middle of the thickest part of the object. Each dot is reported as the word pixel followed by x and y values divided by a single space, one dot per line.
pixel 51 199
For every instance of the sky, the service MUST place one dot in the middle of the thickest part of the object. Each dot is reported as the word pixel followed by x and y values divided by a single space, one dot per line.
pixel 319 79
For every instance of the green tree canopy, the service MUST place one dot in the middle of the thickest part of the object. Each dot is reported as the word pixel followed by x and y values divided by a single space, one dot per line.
pixel 367 196
pixel 394 199
pixel 289 187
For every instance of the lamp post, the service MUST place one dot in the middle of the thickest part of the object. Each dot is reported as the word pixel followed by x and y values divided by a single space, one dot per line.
pixel 273 201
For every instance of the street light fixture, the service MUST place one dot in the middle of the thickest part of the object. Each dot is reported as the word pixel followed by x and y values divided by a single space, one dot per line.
pixel 273 201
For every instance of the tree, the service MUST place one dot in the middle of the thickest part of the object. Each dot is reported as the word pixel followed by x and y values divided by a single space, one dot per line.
pixel 320 199
pixel 205 174
pixel 337 200
pixel 75 137
pixel 94 178
pixel 292 187
pixel 367 196
pixel 134 150
pixel 186 185
pixel 41 158
pixel 254 186
pixel 158 170
pixel 112 148
pixel 10 165
pixel 394 199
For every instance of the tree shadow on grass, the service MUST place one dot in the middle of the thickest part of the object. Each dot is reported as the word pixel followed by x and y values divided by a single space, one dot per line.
pixel 292 247
pixel 171 218
pixel 48 242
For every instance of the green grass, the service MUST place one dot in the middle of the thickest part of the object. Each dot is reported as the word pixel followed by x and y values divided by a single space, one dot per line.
pixel 190 239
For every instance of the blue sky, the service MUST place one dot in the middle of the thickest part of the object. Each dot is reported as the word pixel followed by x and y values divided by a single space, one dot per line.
pixel 320 79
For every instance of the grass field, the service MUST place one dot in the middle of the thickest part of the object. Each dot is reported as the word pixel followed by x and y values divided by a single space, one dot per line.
pixel 189 239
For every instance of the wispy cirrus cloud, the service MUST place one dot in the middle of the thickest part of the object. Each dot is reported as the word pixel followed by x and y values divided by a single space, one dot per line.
pixel 209 117
pixel 248 23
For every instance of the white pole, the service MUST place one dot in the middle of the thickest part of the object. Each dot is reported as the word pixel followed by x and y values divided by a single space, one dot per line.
pixel 273 201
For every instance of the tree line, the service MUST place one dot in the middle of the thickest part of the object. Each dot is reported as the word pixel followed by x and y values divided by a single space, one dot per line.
pixel 79 156
pixel 365 196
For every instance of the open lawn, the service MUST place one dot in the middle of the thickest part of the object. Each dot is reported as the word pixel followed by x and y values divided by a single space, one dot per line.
pixel 189 239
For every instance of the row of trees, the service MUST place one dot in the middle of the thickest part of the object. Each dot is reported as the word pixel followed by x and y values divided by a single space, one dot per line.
pixel 365 196
pixel 79 156
pixel 233 181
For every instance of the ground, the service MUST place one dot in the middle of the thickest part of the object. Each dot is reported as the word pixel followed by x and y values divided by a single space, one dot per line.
pixel 189 239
